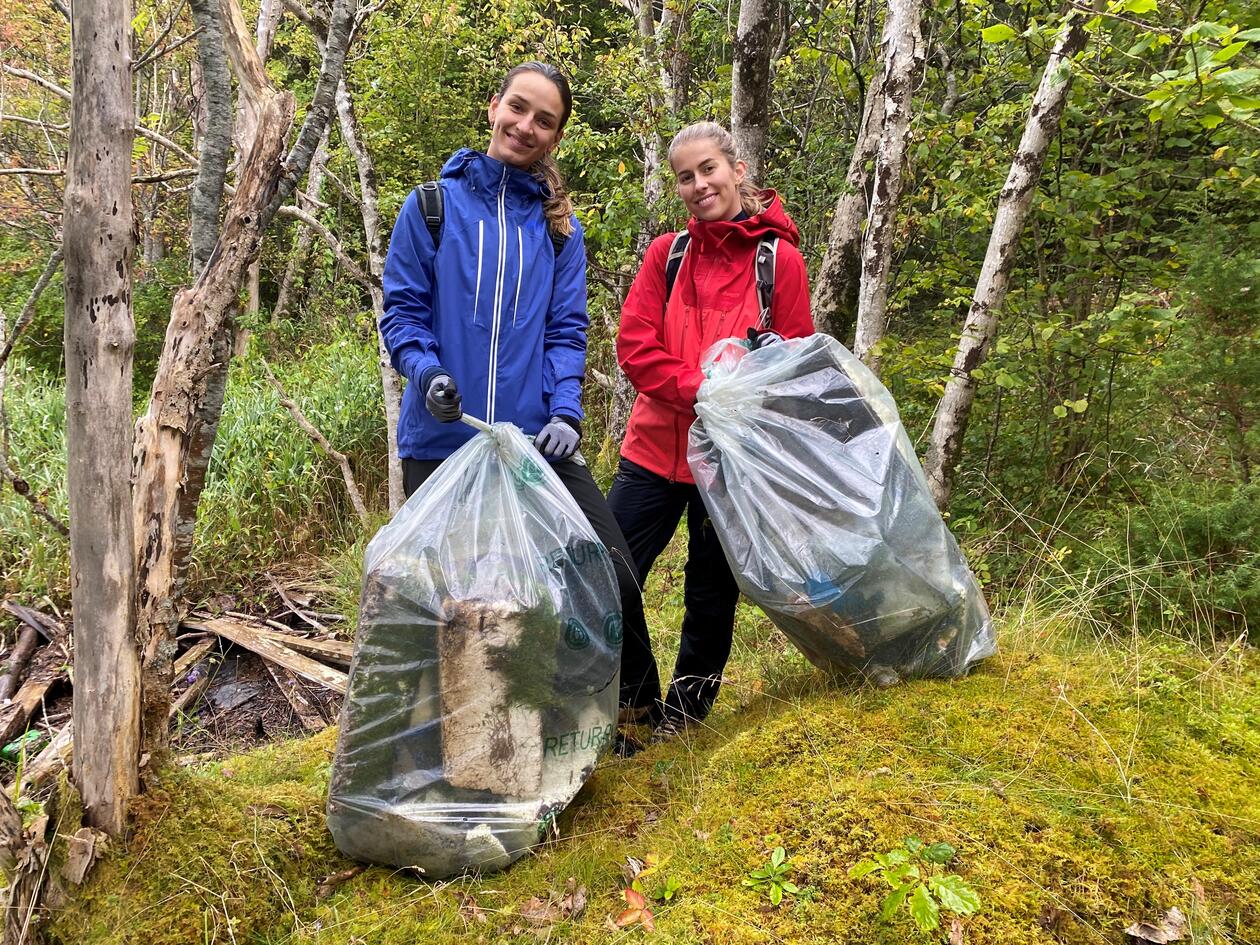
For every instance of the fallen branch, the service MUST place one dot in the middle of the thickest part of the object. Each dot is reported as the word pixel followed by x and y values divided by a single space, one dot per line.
pixel 352 487
pixel 48 763
pixel 24 859
pixel 49 667
pixel 28 639
pixel 293 607
pixel 265 645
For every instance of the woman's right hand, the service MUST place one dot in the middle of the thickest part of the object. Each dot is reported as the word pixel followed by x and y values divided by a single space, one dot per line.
pixel 443 400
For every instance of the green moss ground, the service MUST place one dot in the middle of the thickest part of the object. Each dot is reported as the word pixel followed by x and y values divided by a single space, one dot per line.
pixel 1086 785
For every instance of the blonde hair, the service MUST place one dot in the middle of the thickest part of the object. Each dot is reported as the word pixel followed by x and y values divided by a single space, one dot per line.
pixel 749 193
pixel 557 204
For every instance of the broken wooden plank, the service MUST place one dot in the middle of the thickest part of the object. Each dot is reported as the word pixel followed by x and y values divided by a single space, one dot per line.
pixel 336 652
pixel 47 668
pixel 188 696
pixel 257 641
pixel 193 656
pixel 291 688
pixel 293 607
pixel 49 762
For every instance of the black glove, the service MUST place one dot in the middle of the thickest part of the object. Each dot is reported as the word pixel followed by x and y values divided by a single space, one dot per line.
pixel 559 439
pixel 759 339
pixel 442 398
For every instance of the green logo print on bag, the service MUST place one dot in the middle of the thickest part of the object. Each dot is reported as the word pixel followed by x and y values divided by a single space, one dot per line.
pixel 613 628
pixel 528 473
pixel 576 636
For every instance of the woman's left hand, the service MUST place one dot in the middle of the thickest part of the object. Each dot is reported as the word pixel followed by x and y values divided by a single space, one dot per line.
pixel 558 439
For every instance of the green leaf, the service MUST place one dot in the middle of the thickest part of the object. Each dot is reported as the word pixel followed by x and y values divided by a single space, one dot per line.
pixel 900 873
pixel 954 894
pixel 864 868
pixel 1060 411
pixel 1079 406
pixel 939 853
pixel 778 856
pixel 997 33
pixel 1228 52
pixel 914 844
pixel 790 888
pixel 776 894
pixel 1251 36
pixel 1139 6
pixel 924 910
pixel 893 901
pixel 1210 121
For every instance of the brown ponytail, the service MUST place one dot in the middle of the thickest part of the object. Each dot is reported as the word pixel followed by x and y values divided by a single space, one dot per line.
pixel 557 205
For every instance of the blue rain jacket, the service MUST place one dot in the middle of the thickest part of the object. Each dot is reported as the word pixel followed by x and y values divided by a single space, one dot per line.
pixel 493 306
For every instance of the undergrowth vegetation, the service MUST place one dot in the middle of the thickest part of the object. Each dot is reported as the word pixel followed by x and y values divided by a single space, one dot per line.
pixel 271 496
pixel 1084 780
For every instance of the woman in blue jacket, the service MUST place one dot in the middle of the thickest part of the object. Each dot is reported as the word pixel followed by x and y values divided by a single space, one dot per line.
pixel 492 316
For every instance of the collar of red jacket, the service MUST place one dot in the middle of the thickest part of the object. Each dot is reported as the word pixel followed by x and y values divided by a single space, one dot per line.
pixel 720 235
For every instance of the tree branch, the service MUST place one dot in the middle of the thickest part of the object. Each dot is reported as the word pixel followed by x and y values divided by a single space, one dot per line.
pixel 352 487
pixel 356 273
pixel 28 310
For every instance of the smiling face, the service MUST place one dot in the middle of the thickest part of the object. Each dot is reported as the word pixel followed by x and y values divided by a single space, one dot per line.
pixel 707 182
pixel 525 120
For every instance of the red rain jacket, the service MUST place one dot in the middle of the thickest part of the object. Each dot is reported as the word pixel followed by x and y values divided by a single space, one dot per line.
pixel 660 345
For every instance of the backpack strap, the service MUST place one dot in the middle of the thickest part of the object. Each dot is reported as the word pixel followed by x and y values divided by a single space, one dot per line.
pixel 767 254
pixel 677 250
pixel 558 242
pixel 430 196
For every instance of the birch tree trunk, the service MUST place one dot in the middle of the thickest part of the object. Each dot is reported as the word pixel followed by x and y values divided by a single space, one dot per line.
pixel 99 342
pixel 980 328
pixel 903 57
pixel 216 146
pixel 391 386
pixel 175 437
pixel 750 84
pixel 835 298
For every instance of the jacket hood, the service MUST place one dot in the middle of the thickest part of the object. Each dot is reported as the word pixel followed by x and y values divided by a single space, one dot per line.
pixel 772 221
pixel 485 173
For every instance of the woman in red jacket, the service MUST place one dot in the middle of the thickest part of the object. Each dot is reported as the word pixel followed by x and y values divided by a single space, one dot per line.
pixel 665 330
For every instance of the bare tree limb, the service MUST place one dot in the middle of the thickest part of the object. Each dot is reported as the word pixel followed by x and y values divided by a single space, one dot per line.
pixel 352 268
pixel 28 310
pixel 352 487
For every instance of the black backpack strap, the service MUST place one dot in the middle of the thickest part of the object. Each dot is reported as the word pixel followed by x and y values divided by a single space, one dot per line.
pixel 558 242
pixel 673 262
pixel 767 253
pixel 430 196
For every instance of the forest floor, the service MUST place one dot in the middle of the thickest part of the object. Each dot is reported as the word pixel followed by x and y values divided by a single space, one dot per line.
pixel 1087 782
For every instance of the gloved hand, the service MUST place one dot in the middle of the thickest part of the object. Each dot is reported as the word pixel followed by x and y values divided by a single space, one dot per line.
pixel 558 439
pixel 442 398
pixel 759 339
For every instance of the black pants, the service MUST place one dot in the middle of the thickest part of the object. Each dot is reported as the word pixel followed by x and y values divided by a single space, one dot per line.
pixel 648 508
pixel 581 484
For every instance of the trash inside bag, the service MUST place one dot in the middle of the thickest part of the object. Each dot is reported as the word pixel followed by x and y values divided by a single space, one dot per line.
pixel 484 679
pixel 824 513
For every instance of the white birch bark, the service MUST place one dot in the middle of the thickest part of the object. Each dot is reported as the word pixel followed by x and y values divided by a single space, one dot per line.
pixel 99 342
pixel 903 59
pixel 980 328
pixel 391 386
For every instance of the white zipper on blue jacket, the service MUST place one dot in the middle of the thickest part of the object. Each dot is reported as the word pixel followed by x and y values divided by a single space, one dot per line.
pixel 493 367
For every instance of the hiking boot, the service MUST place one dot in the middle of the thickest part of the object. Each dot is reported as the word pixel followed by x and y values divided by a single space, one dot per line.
pixel 625 744
pixel 669 727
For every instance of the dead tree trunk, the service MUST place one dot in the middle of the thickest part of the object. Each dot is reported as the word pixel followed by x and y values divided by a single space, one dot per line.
pixel 99 339
pixel 391 387
pixel 175 437
pixel 903 57
pixel 750 84
pixel 835 299
pixel 980 327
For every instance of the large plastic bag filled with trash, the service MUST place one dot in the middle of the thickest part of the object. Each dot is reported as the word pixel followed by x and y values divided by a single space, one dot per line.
pixel 824 512
pixel 484 678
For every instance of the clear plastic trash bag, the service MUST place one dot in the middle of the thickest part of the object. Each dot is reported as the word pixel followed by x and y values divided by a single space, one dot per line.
pixel 824 512
pixel 484 679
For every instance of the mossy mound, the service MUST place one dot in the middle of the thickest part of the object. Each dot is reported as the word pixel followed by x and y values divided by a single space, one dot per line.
pixel 1085 786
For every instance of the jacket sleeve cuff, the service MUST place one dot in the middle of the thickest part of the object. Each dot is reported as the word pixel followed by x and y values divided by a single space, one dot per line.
pixel 429 373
